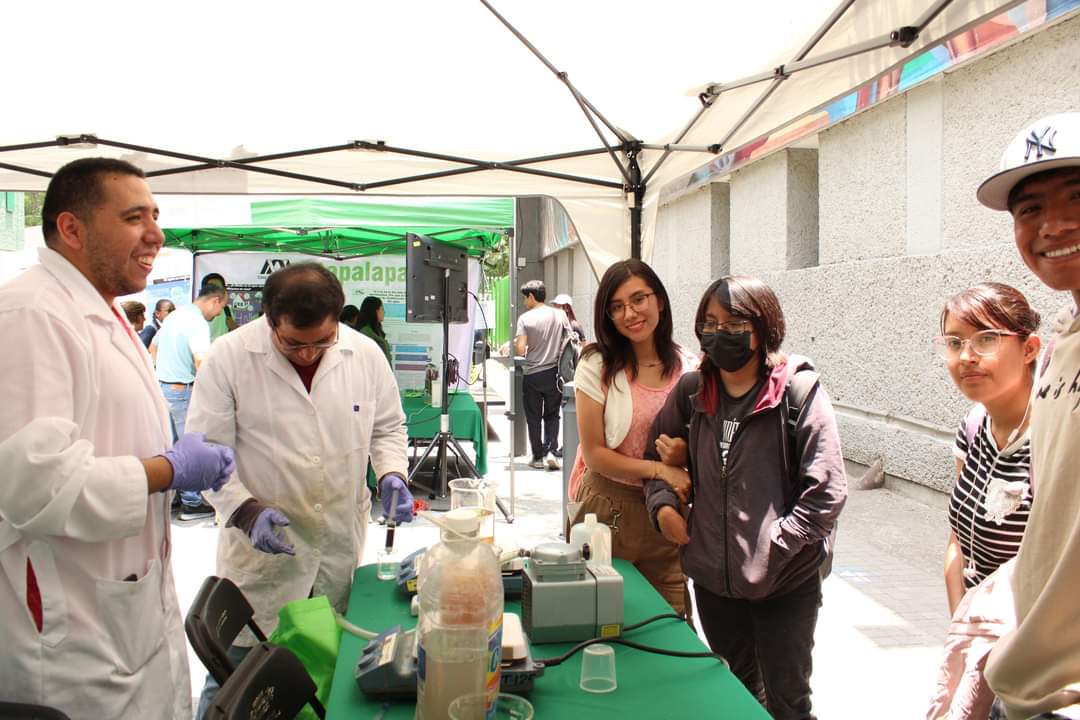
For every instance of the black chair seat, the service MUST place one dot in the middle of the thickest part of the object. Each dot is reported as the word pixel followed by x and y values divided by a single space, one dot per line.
pixel 270 682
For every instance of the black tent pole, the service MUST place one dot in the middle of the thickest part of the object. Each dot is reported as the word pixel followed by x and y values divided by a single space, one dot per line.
pixel 638 189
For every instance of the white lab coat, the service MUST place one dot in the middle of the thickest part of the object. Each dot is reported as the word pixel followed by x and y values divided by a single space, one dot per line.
pixel 80 405
pixel 305 454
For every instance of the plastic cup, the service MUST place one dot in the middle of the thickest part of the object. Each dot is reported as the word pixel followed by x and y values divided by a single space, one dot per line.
pixel 598 669
pixel 387 566
pixel 507 707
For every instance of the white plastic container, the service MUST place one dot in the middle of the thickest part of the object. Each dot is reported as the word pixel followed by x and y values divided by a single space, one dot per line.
pixel 459 629
pixel 596 535
pixel 478 494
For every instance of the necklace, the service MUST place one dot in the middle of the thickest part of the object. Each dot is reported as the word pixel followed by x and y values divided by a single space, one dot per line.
pixel 970 572
pixel 650 364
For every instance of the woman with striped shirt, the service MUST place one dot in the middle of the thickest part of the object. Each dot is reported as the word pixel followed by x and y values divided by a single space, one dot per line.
pixel 989 343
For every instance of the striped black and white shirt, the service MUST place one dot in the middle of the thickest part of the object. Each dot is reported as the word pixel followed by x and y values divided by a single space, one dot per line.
pixel 991 544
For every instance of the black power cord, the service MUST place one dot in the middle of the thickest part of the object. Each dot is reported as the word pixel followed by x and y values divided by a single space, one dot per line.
pixel 558 660
pixel 654 618
pixel 552 662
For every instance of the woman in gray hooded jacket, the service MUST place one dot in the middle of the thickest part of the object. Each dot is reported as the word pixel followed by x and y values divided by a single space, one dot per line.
pixel 768 478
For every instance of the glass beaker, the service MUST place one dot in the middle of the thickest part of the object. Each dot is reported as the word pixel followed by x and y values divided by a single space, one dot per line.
pixel 479 494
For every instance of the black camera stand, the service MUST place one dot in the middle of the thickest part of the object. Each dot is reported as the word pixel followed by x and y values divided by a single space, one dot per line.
pixel 444 441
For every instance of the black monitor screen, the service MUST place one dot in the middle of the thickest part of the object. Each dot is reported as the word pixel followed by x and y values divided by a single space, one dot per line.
pixel 426 261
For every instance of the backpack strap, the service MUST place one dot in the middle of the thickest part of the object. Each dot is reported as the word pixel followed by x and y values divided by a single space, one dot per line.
pixel 798 390
pixel 972 421
pixel 1046 353
pixel 796 396
pixel 687 387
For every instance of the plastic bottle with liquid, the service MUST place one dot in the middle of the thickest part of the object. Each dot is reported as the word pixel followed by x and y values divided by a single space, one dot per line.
pixel 596 535
pixel 459 628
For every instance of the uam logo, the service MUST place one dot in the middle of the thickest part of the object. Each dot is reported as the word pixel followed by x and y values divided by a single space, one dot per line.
pixel 273 264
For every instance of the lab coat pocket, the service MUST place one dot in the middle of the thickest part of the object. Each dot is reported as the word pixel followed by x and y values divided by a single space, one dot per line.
pixel 132 616
pixel 362 420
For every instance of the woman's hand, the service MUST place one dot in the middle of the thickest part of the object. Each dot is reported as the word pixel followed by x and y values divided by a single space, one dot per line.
pixel 677 479
pixel 672 525
pixel 673 451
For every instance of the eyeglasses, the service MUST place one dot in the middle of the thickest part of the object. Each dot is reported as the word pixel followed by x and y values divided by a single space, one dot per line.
pixel 637 302
pixel 291 347
pixel 985 343
pixel 738 326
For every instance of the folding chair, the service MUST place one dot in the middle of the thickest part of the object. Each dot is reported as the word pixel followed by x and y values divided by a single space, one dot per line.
pixel 22 711
pixel 217 616
pixel 270 682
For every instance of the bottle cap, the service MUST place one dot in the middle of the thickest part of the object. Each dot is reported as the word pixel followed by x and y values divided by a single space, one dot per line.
pixel 590 518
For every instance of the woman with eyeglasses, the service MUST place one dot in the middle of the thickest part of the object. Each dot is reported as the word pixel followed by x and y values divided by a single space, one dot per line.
pixel 989 344
pixel 768 485
pixel 622 381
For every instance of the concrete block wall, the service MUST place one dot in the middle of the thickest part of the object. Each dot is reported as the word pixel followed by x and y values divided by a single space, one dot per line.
pixel 899 231
pixel 759 216
pixel 863 182
pixel 985 104
pixel 568 271
pixel 696 234
pixel 802 208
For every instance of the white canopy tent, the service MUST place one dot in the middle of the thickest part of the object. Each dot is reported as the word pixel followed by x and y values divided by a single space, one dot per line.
pixel 442 97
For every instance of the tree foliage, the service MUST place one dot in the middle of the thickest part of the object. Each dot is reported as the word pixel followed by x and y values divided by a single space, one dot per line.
pixel 497 262
pixel 33 201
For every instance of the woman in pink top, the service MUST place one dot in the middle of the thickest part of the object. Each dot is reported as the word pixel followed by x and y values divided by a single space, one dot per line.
pixel 622 381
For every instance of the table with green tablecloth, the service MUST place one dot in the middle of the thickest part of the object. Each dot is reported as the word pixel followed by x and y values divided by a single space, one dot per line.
pixel 649 686
pixel 466 422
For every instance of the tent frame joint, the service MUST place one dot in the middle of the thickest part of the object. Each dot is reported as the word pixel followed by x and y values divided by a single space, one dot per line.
pixel 904 36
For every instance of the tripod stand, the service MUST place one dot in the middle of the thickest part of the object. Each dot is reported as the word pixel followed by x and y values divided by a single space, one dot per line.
pixel 444 442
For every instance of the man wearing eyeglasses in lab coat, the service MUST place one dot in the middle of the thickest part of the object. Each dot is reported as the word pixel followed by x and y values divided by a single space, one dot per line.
pixel 305 403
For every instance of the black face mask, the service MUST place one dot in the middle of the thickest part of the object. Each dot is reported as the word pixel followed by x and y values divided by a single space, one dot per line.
pixel 728 351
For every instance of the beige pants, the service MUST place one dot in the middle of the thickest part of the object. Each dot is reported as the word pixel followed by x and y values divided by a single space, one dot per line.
pixel 633 538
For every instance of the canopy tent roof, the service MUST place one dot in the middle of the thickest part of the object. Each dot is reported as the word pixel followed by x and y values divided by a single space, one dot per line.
pixel 438 98
pixel 348 229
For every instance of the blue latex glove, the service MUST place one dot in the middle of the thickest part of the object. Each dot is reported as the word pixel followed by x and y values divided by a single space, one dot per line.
pixel 403 511
pixel 264 535
pixel 199 465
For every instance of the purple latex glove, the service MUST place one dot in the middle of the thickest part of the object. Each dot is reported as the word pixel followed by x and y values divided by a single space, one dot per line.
pixel 199 465
pixel 403 511
pixel 264 535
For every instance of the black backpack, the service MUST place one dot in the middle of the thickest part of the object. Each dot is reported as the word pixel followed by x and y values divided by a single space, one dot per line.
pixel 569 354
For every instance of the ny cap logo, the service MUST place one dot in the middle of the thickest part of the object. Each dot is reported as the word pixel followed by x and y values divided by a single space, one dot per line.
pixel 1040 143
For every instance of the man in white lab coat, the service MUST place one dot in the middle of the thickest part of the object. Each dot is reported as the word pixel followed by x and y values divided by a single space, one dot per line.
pixel 91 623
pixel 305 402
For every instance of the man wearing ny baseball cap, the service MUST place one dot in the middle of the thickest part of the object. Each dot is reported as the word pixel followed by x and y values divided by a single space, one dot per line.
pixel 1036 668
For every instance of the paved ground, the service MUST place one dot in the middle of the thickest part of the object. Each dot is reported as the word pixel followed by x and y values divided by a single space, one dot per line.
pixel 881 625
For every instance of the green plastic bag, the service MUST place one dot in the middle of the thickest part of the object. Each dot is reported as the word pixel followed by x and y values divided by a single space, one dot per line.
pixel 307 628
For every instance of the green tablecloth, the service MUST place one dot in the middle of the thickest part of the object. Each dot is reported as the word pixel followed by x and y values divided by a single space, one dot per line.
pixel 466 422
pixel 650 686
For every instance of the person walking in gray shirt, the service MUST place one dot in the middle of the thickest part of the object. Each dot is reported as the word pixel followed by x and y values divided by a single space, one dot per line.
pixel 541 331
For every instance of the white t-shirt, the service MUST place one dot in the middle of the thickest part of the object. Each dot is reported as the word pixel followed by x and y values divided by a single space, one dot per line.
pixel 1037 667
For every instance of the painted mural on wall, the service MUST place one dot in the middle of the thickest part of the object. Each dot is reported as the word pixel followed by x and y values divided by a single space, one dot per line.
pixel 959 48
pixel 556 229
